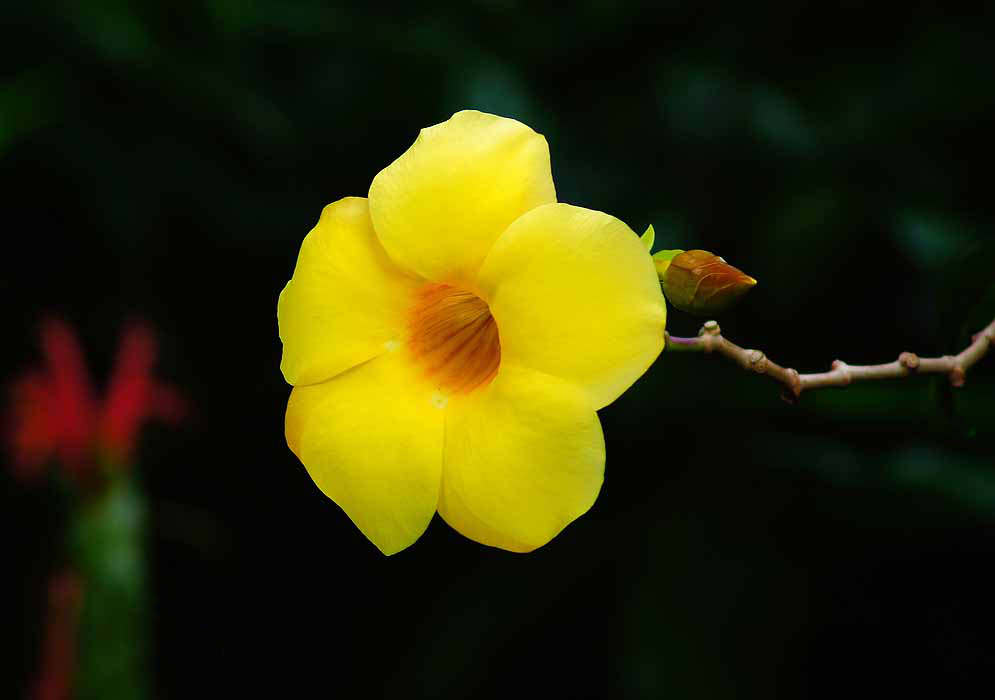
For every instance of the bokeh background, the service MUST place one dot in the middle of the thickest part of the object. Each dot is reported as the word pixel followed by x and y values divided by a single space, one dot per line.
pixel 164 161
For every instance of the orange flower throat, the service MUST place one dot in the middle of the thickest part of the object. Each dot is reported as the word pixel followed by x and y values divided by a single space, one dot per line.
pixel 453 336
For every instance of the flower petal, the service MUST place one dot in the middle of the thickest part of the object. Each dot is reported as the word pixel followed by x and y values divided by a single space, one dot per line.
pixel 438 208
pixel 575 294
pixel 458 516
pixel 371 438
pixel 346 300
pixel 524 457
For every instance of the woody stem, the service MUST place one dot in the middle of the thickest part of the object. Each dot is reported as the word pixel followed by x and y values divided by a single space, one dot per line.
pixel 710 340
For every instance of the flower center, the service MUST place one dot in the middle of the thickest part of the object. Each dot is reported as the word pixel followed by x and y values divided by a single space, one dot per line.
pixel 453 337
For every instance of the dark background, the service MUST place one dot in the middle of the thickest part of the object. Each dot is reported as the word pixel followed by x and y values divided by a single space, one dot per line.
pixel 165 160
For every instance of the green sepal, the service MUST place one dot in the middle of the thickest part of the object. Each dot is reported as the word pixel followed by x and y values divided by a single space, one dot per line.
pixel 662 260
pixel 648 238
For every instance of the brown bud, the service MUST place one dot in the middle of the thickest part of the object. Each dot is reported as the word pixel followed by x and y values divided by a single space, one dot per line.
pixel 701 283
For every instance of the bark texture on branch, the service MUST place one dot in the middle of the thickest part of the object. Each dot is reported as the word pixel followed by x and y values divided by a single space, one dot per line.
pixel 711 340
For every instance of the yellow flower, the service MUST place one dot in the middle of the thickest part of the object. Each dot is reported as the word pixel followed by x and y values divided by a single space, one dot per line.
pixel 450 339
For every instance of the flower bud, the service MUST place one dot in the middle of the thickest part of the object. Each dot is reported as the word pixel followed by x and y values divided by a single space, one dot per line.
pixel 700 283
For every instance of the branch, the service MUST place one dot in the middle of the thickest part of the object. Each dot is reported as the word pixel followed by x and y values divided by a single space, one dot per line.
pixel 710 340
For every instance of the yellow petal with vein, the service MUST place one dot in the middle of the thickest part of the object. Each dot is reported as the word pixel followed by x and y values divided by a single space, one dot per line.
pixel 575 294
pixel 346 300
pixel 438 208
pixel 524 457
pixel 372 439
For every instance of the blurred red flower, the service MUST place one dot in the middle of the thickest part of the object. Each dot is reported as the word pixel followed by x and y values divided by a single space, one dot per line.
pixel 65 599
pixel 55 413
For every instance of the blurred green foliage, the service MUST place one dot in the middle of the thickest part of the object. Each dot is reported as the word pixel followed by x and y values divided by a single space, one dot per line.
pixel 107 547
pixel 167 159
